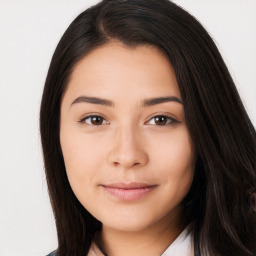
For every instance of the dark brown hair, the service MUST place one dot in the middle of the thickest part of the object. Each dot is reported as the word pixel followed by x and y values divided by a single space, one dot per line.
pixel 219 126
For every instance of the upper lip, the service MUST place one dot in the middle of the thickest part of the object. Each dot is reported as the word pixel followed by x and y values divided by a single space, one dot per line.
pixel 128 185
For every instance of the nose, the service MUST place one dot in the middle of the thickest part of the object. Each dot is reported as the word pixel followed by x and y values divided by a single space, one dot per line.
pixel 127 149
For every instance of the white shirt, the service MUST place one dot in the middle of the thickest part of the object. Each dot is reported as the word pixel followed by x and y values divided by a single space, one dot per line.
pixel 181 246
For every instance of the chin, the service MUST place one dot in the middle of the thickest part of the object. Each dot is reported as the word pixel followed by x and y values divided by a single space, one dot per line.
pixel 133 225
pixel 133 221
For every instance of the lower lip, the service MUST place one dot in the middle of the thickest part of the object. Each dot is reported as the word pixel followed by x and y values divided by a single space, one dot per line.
pixel 128 194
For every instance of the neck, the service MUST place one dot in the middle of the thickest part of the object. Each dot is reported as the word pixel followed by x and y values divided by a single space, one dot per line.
pixel 150 241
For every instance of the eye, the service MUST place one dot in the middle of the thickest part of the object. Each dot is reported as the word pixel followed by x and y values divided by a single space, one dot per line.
pixel 94 120
pixel 162 120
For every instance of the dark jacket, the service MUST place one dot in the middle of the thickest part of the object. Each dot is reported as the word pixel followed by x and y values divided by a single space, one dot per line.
pixel 52 254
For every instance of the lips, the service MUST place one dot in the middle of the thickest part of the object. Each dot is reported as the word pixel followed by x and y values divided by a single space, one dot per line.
pixel 127 191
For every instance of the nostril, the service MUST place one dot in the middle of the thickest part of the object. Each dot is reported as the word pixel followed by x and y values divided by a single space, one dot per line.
pixel 117 164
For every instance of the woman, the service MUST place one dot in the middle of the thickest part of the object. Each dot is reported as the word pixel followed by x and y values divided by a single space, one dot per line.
pixel 148 149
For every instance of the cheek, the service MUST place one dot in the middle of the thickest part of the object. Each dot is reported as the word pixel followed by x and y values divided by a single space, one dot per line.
pixel 82 158
pixel 176 159
pixel 177 146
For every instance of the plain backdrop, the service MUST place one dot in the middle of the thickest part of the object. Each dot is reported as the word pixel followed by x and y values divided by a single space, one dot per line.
pixel 29 33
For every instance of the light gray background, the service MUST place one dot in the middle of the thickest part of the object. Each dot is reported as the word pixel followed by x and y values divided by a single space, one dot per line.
pixel 29 32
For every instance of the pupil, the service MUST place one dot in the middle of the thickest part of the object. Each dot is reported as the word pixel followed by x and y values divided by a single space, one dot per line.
pixel 161 120
pixel 96 120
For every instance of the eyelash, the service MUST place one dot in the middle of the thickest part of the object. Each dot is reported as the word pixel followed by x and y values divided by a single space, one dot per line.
pixel 170 120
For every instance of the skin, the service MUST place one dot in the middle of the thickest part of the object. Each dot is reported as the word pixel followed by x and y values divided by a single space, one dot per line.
pixel 128 143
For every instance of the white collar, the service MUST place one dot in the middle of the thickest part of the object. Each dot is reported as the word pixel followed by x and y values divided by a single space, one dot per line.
pixel 181 246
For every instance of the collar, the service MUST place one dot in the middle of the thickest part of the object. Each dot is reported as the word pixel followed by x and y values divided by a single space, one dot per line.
pixel 181 246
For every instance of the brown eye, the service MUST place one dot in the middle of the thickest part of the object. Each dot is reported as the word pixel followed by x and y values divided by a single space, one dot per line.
pixel 162 120
pixel 94 120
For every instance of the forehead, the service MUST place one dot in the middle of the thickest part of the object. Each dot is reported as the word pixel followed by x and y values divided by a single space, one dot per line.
pixel 116 51
pixel 114 67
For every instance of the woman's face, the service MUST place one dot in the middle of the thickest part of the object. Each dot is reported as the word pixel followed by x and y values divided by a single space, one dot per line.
pixel 126 146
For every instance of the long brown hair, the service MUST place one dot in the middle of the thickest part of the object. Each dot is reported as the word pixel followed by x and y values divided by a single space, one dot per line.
pixel 220 128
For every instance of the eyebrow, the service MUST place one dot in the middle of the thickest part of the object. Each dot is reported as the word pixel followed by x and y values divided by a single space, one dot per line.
pixel 109 103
